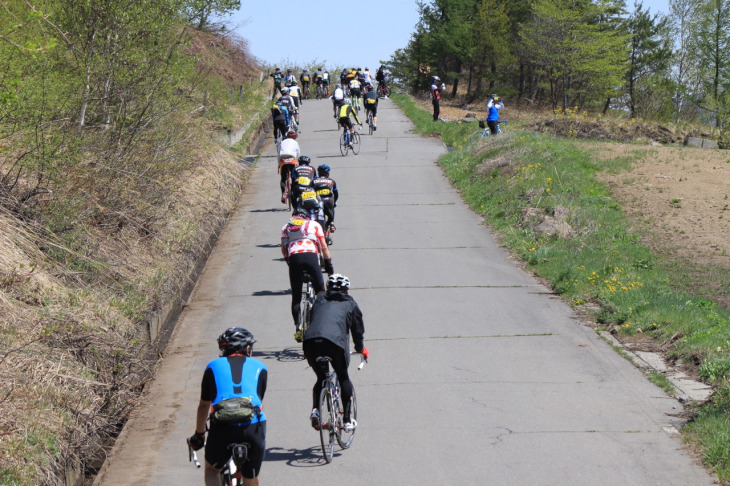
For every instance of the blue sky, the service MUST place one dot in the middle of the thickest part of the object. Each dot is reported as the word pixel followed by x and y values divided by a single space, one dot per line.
pixel 359 34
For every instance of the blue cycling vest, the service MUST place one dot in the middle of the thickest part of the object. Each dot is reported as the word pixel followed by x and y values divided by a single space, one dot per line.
pixel 226 388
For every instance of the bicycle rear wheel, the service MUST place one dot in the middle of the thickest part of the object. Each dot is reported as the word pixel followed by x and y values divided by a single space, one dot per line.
pixel 370 123
pixel 345 438
pixel 355 142
pixel 327 426
pixel 343 142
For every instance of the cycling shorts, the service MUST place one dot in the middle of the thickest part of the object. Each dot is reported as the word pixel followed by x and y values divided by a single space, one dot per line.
pixel 346 122
pixel 219 436
pixel 356 92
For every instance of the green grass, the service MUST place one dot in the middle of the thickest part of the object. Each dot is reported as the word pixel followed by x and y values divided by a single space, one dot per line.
pixel 602 261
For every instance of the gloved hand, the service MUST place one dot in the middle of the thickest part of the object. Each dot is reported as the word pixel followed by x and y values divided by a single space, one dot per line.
pixel 197 441
pixel 365 353
pixel 328 268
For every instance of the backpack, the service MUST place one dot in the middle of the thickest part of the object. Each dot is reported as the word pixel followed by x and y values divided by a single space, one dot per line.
pixel 296 229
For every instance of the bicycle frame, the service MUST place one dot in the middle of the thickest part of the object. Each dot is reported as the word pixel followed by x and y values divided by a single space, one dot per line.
pixel 231 473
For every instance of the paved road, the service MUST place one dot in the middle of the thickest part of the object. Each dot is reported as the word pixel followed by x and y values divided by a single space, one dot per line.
pixel 478 375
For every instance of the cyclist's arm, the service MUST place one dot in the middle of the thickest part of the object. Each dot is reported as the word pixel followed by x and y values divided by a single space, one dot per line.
pixel 335 191
pixel 202 416
pixel 261 386
pixel 324 248
pixel 357 328
pixel 354 114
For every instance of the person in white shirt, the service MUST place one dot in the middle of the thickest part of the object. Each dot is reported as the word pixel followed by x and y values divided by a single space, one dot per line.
pixel 337 96
pixel 288 155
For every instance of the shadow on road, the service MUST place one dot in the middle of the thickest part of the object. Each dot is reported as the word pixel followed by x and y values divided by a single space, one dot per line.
pixel 270 210
pixel 304 458
pixel 285 355
pixel 269 293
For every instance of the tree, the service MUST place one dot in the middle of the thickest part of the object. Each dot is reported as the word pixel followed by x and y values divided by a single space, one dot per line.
pixel 713 54
pixel 573 44
pixel 200 12
pixel 649 52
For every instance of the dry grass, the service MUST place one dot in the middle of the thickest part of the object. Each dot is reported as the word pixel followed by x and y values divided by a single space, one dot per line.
pixel 81 273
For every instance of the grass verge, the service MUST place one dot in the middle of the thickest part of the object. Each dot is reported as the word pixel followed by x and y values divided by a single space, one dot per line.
pixel 541 196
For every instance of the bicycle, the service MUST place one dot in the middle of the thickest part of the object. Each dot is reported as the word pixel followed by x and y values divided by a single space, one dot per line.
pixel 349 141
pixel 371 123
pixel 383 91
pixel 485 130
pixel 306 304
pixel 231 473
pixel 357 103
pixel 332 412
pixel 287 184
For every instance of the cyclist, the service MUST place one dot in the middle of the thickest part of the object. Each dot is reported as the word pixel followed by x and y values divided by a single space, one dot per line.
pixel 280 117
pixel 370 102
pixel 278 79
pixel 302 179
pixel 288 156
pixel 344 116
pixel 289 79
pixel 286 100
pixel 355 89
pixel 317 75
pixel 338 95
pixel 367 77
pixel 234 375
pixel 335 316
pixel 326 81
pixel 343 77
pixel 494 104
pixel 326 189
pixel 295 94
pixel 360 76
pixel 302 240
pixel 305 78
pixel 380 77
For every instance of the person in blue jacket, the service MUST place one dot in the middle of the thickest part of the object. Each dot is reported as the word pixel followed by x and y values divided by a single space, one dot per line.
pixel 493 106
pixel 234 375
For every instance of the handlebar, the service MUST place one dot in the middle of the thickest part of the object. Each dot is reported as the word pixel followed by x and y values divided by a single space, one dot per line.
pixel 362 360
pixel 192 456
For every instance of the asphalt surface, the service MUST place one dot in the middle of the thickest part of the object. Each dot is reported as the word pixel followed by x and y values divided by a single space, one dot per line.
pixel 477 374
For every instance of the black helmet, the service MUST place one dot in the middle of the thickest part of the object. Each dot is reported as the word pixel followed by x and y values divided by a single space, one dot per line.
pixel 323 169
pixel 304 160
pixel 300 211
pixel 234 340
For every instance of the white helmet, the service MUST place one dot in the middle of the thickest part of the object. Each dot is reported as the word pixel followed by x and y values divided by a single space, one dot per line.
pixel 338 282
pixel 284 90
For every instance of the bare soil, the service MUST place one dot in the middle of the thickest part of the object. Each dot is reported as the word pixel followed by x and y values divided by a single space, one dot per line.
pixel 678 198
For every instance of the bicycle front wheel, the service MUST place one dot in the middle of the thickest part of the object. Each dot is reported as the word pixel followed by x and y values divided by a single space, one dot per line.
pixel 478 134
pixel 327 427
pixel 355 142
pixel 345 438
pixel 343 142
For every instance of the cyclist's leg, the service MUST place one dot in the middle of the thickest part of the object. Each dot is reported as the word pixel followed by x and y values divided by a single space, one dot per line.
pixel 492 124
pixel 255 436
pixel 329 210
pixel 311 263
pixel 296 268
pixel 340 361
pixel 313 349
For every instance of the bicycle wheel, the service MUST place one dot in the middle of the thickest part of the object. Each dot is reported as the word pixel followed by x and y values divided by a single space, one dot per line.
pixel 370 123
pixel 479 134
pixel 387 92
pixel 343 142
pixel 345 438
pixel 327 425
pixel 355 142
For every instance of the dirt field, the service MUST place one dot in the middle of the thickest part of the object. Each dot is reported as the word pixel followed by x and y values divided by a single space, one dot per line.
pixel 679 197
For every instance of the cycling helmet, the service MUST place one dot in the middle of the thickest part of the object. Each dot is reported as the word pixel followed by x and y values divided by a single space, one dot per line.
pixel 291 134
pixel 304 160
pixel 346 101
pixel 369 86
pixel 300 211
pixel 436 78
pixel 323 169
pixel 339 86
pixel 234 340
pixel 285 90
pixel 338 282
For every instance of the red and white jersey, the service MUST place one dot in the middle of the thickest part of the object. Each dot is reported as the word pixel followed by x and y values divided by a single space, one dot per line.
pixel 302 235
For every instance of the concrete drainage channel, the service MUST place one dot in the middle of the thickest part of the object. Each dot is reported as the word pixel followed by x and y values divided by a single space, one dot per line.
pixel 688 390
pixel 159 326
